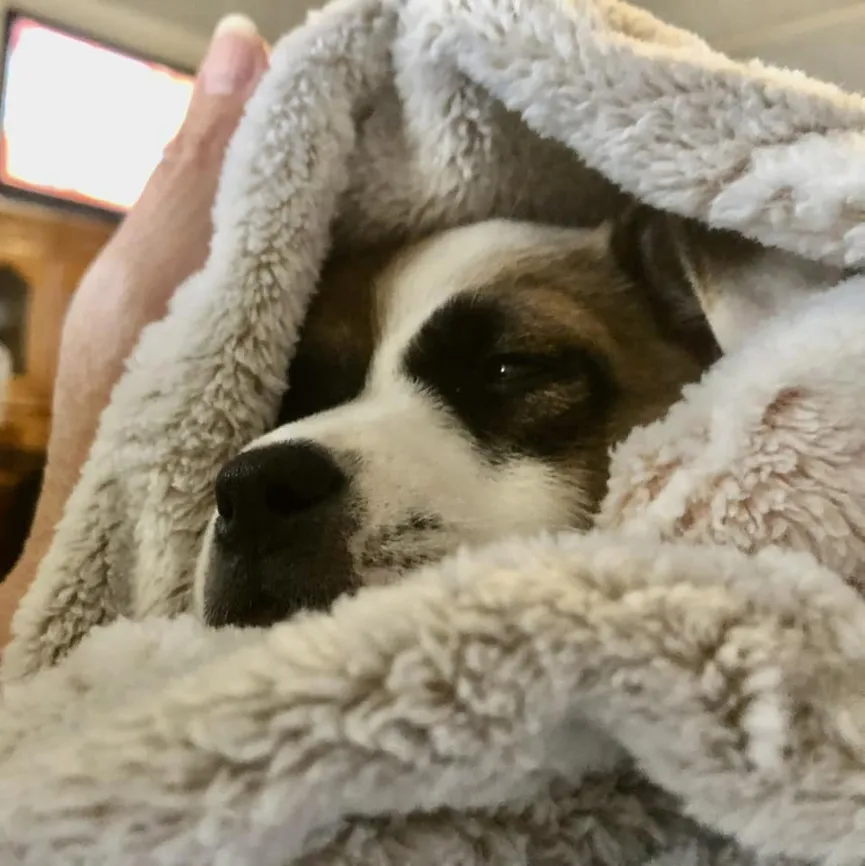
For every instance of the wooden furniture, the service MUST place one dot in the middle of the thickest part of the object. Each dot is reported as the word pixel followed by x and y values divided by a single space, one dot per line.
pixel 51 250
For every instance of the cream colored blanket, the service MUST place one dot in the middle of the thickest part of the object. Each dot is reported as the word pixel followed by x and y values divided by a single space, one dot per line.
pixel 710 634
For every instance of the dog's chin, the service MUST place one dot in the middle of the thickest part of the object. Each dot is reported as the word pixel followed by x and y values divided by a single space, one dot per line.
pixel 231 592
pixel 258 592
pixel 266 586
pixel 234 595
pixel 229 599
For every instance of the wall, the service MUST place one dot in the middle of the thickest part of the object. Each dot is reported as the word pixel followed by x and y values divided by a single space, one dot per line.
pixel 822 37
pixel 125 25
pixel 176 30
pixel 274 17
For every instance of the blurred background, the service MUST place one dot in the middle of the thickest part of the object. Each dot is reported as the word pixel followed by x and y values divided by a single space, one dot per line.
pixel 824 37
pixel 91 92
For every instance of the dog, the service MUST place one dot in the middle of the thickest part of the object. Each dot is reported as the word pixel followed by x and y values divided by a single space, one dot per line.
pixel 467 388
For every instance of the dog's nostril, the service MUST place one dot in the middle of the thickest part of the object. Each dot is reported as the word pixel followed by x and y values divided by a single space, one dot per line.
pixel 266 485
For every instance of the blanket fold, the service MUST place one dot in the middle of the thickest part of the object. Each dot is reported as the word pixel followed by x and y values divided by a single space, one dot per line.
pixel 704 644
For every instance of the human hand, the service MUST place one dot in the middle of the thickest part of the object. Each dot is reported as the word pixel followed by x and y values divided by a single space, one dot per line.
pixel 162 241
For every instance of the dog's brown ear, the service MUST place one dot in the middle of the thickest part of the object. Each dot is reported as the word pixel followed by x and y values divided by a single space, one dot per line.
pixel 655 252
pixel 710 287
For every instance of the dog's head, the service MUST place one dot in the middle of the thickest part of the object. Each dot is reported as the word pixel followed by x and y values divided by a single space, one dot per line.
pixel 470 389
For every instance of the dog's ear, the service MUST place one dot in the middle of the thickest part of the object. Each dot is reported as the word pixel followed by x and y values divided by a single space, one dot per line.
pixel 656 255
pixel 710 288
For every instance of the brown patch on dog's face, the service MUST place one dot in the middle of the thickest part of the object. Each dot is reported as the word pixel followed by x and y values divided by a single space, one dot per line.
pixel 557 358
pixel 337 338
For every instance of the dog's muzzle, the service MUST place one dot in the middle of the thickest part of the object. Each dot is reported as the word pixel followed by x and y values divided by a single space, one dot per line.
pixel 279 541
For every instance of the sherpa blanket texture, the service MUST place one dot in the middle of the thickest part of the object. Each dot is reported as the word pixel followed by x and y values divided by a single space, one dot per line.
pixel 712 626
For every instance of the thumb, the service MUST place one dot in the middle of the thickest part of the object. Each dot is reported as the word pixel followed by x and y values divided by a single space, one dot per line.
pixel 231 69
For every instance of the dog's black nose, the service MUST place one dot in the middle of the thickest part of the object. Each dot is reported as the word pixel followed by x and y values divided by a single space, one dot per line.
pixel 284 514
pixel 259 490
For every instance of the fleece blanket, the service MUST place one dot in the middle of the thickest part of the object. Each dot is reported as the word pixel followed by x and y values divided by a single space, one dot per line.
pixel 681 685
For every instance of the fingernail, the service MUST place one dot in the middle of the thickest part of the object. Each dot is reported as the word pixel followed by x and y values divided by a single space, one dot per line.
pixel 231 60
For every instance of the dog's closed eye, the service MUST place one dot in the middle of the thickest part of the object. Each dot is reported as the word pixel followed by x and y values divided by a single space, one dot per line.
pixel 506 372
pixel 522 372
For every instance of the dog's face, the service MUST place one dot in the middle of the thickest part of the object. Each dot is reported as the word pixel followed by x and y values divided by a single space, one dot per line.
pixel 471 389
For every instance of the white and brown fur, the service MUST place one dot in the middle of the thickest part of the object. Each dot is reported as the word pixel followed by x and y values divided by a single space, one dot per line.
pixel 464 389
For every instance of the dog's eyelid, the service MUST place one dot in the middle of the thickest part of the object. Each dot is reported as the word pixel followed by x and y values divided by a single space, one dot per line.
pixel 552 354
pixel 509 366
pixel 525 370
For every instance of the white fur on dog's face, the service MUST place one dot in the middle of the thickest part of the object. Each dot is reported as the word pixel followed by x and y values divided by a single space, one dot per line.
pixel 424 473
pixel 415 459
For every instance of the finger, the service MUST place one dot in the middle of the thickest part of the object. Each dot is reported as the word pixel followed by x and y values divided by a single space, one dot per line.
pixel 233 66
